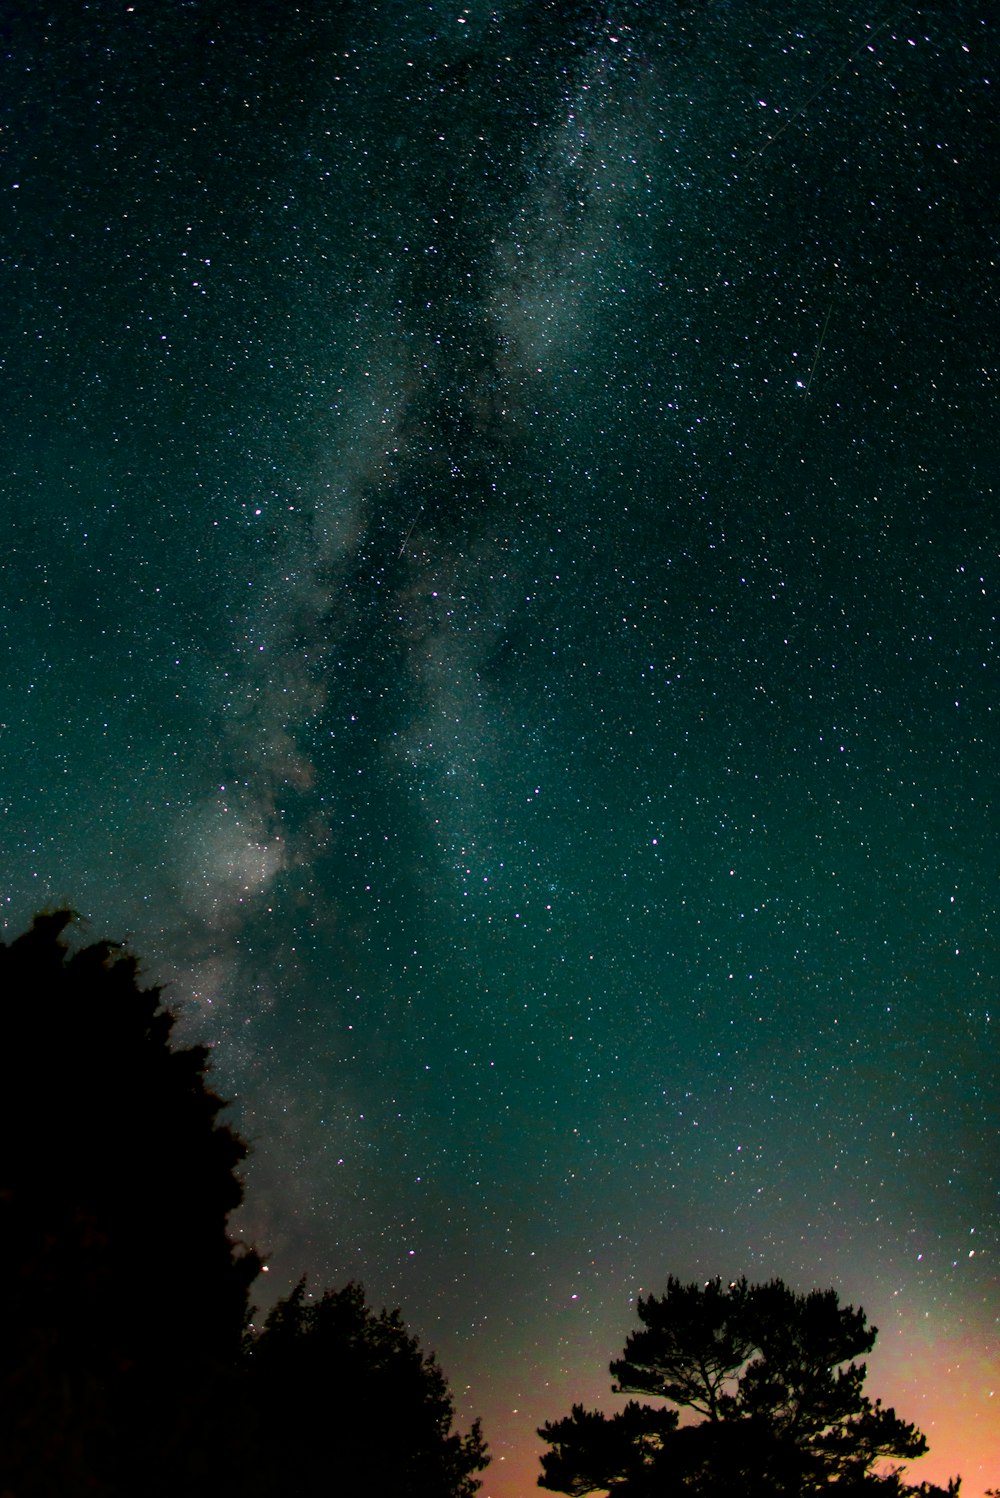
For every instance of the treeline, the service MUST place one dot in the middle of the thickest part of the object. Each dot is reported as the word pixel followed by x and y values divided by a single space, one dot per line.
pixel 129 1367
pixel 127 1362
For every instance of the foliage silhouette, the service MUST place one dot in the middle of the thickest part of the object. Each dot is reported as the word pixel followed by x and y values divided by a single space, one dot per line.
pixel 782 1416
pixel 119 1284
pixel 381 1407
pixel 127 1362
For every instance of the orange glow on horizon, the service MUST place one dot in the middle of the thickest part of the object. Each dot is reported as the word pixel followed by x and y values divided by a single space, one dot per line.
pixel 950 1390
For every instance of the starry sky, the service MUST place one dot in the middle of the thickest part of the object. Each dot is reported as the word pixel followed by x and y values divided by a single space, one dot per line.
pixel 499 607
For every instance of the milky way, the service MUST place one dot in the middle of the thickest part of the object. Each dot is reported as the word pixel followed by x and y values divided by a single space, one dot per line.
pixel 499 608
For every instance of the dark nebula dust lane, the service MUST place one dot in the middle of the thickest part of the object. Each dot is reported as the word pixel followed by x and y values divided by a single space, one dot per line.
pixel 499 607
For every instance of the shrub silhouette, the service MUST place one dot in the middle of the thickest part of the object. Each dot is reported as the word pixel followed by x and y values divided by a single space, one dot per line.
pixel 382 1407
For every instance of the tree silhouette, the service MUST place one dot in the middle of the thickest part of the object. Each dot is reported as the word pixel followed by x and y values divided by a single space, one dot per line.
pixel 371 1413
pixel 782 1416
pixel 122 1295
pixel 127 1362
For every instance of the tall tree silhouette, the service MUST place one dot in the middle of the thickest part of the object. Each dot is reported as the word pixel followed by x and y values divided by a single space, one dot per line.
pixel 121 1293
pixel 773 1376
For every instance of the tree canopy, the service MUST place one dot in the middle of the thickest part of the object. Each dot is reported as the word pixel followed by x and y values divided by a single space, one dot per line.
pixel 128 1363
pixel 773 1376
pixel 333 1364
pixel 119 1282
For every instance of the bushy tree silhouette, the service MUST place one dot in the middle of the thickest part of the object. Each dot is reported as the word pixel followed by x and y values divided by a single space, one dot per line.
pixel 771 1372
pixel 122 1295
pixel 128 1366
pixel 373 1412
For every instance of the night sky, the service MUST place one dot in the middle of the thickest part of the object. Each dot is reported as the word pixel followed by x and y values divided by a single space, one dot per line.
pixel 499 607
